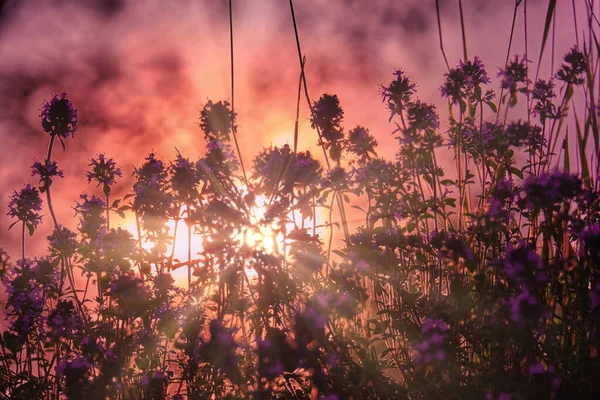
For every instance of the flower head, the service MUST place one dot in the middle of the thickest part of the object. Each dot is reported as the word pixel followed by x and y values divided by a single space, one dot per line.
pixel 543 94
pixel 573 69
pixel 362 143
pixel 514 73
pixel 217 120
pixel 549 189
pixel 62 242
pixel 184 179
pixel 398 93
pixel 59 117
pixel 475 73
pixel 91 215
pixel 104 171
pixel 46 171
pixel 25 205
pixel 432 347
pixel 327 118
pixel 462 80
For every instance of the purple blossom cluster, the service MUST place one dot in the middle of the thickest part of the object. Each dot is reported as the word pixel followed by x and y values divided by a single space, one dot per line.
pixel 62 242
pixel 543 96
pixel 25 206
pixel 91 216
pixel 574 67
pixel 432 348
pixel 327 116
pixel 59 117
pixel 398 94
pixel 184 180
pixel 104 172
pixel 217 121
pixel 515 74
pixel 523 266
pixel 460 82
pixel 25 286
pixel 46 171
pixel 549 189
pixel 152 200
pixel 63 321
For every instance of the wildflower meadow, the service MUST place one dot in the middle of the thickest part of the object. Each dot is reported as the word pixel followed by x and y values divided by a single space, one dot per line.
pixel 478 281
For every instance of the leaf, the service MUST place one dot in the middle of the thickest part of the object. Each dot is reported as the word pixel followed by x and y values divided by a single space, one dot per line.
pixel 463 106
pixel 517 172
pixel 13 342
pixel 581 145
pixel 142 363
pixel 386 352
pixel 477 93
pixel 358 208
pixel 549 15
pixel 566 158
pixel 492 106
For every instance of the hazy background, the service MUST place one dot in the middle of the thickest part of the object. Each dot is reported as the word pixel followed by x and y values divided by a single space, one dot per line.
pixel 139 71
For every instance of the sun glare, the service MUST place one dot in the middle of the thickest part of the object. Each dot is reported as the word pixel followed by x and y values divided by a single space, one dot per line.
pixel 258 235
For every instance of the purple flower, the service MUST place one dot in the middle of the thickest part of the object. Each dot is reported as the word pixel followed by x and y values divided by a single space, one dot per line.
pixel 130 294
pixel 59 117
pixel 543 94
pixel 104 171
pixel 454 85
pixel 398 94
pixel 590 241
pixel 63 321
pixel 432 347
pixel 91 215
pixel 362 143
pixel 574 67
pixel 462 80
pixel 46 171
pixel 24 286
pixel 62 242
pixel 519 134
pixel 455 249
pixel 184 179
pixel 276 354
pixel 220 350
pixel 515 73
pixel 220 158
pixel 523 265
pixel 116 246
pixel 336 179
pixel 24 206
pixel 525 310
pixel 475 73
pixel 422 116
pixel 270 165
pixel 216 120
pixel 305 170
pixel 327 116
pixel 152 200
pixel 548 189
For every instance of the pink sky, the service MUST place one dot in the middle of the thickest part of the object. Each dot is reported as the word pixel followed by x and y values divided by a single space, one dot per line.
pixel 139 71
